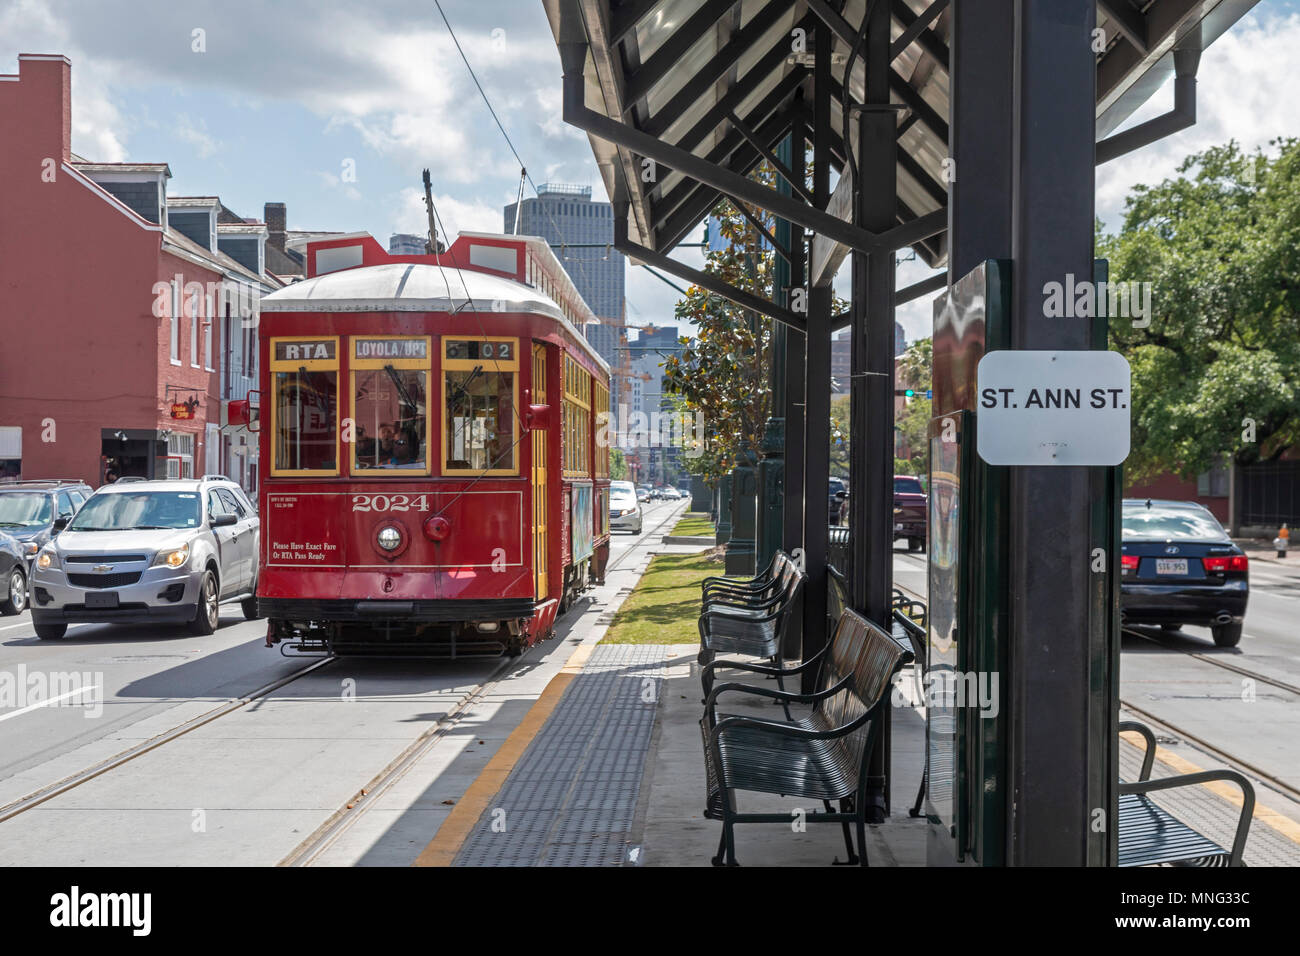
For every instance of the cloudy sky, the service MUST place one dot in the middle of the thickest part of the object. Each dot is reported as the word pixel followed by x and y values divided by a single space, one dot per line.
pixel 285 99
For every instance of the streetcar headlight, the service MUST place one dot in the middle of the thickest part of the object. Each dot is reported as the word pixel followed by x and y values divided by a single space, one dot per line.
pixel 389 538
pixel 172 559
pixel 47 559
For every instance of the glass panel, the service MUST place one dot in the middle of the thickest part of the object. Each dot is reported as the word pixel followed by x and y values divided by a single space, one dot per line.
pixel 479 420
pixel 306 421
pixel 24 510
pixel 391 423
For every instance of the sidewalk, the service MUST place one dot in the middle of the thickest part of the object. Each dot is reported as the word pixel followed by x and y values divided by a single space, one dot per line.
pixel 615 777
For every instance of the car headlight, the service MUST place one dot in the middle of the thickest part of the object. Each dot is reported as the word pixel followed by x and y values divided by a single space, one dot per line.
pixel 389 538
pixel 47 559
pixel 31 548
pixel 172 559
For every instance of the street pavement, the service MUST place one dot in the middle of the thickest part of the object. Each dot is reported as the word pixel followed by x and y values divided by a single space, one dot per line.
pixel 363 762
pixel 244 788
pixel 1209 704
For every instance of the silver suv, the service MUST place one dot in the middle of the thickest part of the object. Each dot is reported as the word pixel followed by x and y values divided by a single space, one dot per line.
pixel 150 552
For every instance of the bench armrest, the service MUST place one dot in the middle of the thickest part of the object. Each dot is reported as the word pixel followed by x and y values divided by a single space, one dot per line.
pixel 786 696
pixel 790 730
pixel 1149 755
pixel 766 669
pixel 1204 776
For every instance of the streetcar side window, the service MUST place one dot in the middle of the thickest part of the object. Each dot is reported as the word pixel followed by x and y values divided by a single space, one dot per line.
pixel 575 414
pixel 304 408
pixel 480 402
pixel 390 386
pixel 603 426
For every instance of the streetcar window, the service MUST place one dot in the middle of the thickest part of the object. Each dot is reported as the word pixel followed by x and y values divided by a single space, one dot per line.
pixel 306 421
pixel 304 407
pixel 390 385
pixel 480 420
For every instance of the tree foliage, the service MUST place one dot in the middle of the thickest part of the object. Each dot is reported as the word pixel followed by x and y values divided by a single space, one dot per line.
pixel 1214 372
pixel 723 372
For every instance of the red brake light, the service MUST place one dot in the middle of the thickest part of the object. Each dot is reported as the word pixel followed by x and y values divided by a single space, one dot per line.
pixel 1227 562
pixel 1128 562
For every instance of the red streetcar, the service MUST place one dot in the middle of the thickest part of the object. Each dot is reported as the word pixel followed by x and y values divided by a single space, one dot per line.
pixel 431 479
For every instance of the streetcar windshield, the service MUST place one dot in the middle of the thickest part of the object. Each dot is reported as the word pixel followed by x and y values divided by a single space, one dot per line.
pixel 390 419
pixel 306 420
pixel 480 420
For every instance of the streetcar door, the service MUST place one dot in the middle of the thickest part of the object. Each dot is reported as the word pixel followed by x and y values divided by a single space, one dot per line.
pixel 539 437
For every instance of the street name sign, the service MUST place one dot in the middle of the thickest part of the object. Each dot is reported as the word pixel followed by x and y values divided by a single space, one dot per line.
pixel 1053 408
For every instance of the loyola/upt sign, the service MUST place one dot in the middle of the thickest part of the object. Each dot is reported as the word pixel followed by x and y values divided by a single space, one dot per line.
pixel 1053 408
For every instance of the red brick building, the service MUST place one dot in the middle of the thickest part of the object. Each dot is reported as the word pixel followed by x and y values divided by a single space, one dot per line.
pixel 120 320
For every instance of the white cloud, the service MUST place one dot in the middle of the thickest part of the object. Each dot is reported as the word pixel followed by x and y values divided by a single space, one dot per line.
pixel 455 216
pixel 1242 94
pixel 196 134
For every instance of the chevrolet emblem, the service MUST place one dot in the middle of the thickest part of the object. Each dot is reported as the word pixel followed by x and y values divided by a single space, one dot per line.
pixel 103 567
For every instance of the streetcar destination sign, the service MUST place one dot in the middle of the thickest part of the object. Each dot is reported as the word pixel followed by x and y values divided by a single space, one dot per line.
pixel 1053 408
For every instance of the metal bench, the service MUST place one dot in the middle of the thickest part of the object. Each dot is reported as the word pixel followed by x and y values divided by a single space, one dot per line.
pixel 744 591
pixel 753 625
pixel 823 756
pixel 1150 835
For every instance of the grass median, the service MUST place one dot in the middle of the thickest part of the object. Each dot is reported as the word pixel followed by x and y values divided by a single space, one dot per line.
pixel 694 526
pixel 664 606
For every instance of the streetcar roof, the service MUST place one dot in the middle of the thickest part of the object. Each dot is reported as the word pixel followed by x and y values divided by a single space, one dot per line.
pixel 413 287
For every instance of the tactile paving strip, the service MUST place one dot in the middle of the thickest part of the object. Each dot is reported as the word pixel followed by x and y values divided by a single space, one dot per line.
pixel 571 799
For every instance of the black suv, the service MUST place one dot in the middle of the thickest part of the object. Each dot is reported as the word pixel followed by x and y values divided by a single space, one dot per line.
pixel 35 511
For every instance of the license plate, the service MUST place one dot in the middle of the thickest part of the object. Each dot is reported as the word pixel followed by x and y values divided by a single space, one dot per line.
pixel 101 599
pixel 1171 565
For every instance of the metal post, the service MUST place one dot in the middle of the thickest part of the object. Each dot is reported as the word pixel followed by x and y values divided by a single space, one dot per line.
pixel 817 381
pixel 1053 791
pixel 871 449
pixel 796 349
pixel 771 467
pixel 1023 143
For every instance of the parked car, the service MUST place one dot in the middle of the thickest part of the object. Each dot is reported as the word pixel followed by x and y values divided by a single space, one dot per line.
pixel 624 509
pixel 168 551
pixel 911 511
pixel 13 575
pixel 669 493
pixel 34 511
pixel 837 492
pixel 1178 566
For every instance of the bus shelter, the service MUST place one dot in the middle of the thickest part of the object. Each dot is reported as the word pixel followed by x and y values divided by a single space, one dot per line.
pixel 968 132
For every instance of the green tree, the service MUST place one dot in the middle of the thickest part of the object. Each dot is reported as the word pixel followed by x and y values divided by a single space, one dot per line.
pixel 617 464
pixel 722 373
pixel 840 436
pixel 911 426
pixel 1214 371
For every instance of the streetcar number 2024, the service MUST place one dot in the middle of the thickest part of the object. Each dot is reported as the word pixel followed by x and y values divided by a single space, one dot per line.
pixel 390 503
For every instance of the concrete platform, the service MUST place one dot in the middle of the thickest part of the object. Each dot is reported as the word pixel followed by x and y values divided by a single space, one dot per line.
pixel 674 832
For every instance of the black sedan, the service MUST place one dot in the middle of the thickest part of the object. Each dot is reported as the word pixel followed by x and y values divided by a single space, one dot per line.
pixel 1178 566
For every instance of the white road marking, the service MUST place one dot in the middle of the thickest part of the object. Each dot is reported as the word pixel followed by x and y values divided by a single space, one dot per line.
pixel 52 700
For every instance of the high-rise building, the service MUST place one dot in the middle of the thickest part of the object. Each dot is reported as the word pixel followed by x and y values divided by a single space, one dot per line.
pixel 407 244
pixel 581 233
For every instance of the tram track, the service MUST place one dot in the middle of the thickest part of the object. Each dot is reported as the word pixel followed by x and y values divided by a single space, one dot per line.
pixel 49 792
pixel 343 820
pixel 1263 776
pixel 325 835
pixel 1207 659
